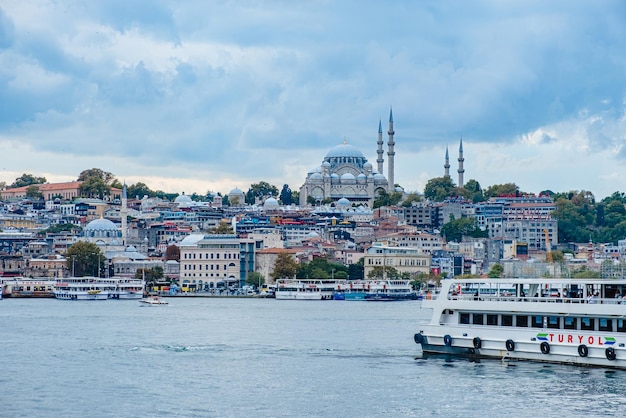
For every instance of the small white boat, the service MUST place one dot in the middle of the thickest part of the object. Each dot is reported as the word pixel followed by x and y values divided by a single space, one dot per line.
pixel 152 300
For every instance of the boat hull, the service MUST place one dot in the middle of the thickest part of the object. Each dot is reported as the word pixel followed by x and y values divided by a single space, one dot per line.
pixel 81 295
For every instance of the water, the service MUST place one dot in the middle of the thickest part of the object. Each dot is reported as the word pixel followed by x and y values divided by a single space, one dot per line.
pixel 200 357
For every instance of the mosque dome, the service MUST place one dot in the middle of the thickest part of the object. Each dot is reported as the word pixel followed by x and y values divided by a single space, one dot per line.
pixel 361 178
pixel 367 166
pixel 316 176
pixel 183 198
pixel 101 225
pixel 347 177
pixel 379 177
pixel 270 202
pixel 344 150
pixel 236 191
pixel 343 203
pixel 325 164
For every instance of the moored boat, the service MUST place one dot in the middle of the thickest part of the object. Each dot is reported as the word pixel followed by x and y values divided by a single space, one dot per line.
pixel 83 288
pixel 391 290
pixel 127 288
pixel 571 321
pixel 305 289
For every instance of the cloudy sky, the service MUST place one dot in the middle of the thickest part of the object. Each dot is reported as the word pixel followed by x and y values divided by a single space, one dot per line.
pixel 210 95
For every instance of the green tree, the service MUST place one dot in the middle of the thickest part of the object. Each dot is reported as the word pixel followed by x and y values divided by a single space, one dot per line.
pixel 32 192
pixel 387 199
pixel 105 176
pixel 439 189
pixel 57 228
pixel 507 189
pixel 260 190
pixel 495 271
pixel 223 228
pixel 386 272
pixel 356 270
pixel 284 267
pixel 84 259
pixel 26 180
pixel 94 187
pixel 411 197
pixel 255 279
pixel 139 190
pixel 151 276
pixel 320 268
pixel 455 229
pixel 286 195
pixel 475 191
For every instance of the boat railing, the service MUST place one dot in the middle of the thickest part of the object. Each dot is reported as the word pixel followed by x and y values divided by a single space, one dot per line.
pixel 536 299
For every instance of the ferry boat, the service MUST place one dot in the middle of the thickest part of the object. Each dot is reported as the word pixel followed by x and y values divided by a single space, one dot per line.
pixel 391 290
pixel 306 289
pixel 127 288
pixel 83 288
pixel 21 287
pixel 569 321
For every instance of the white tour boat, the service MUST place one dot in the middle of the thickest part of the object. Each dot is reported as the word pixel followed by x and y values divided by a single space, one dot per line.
pixel 83 288
pixel 306 289
pixel 128 288
pixel 571 321
pixel 390 290
pixel 152 300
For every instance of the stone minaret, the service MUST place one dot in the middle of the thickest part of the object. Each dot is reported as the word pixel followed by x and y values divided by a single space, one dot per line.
pixel 461 169
pixel 123 214
pixel 380 151
pixel 390 153
pixel 446 166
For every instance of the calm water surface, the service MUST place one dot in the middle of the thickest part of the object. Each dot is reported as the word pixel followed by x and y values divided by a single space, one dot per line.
pixel 201 357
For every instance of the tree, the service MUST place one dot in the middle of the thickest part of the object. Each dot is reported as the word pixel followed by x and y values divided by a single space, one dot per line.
pixel 57 228
pixel 412 197
pixel 105 176
pixel 439 189
pixel 260 190
pixel 139 190
pixel 151 276
pixel 26 180
pixel 475 192
pixel 172 252
pixel 32 192
pixel 355 271
pixel 284 267
pixel 94 187
pixel 495 271
pixel 507 189
pixel 386 272
pixel 222 229
pixel 455 229
pixel 84 259
pixel 320 268
pixel 255 279
pixel 286 195
pixel 387 199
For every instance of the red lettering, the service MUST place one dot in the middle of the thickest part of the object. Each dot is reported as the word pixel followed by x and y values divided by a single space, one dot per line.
pixel 580 339
pixel 561 338
pixel 590 340
pixel 570 338
pixel 551 335
pixel 600 341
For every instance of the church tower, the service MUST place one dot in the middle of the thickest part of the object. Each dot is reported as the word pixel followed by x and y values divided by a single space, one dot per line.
pixel 461 169
pixel 380 151
pixel 390 153
pixel 446 165
pixel 123 214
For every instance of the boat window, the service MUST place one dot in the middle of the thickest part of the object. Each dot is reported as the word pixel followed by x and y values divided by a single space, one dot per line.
pixel 537 321
pixel 477 319
pixel 507 320
pixel 464 318
pixel 521 321
pixel 492 319
pixel 587 324
pixel 553 322
pixel 570 322
pixel 605 324
pixel 621 325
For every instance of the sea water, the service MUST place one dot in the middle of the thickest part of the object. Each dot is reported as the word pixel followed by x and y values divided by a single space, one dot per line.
pixel 217 357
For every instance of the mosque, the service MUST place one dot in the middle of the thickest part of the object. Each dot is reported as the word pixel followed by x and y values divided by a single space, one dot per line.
pixel 346 174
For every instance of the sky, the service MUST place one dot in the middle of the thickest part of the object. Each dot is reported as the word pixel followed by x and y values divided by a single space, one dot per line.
pixel 199 96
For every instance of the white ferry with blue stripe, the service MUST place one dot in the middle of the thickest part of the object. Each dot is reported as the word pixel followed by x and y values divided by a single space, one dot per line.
pixel 570 321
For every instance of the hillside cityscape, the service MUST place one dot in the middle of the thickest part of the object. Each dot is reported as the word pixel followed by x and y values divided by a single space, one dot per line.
pixel 345 222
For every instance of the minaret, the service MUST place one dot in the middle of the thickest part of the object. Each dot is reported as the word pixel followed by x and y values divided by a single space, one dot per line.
pixel 447 164
pixel 380 151
pixel 123 214
pixel 390 153
pixel 461 169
